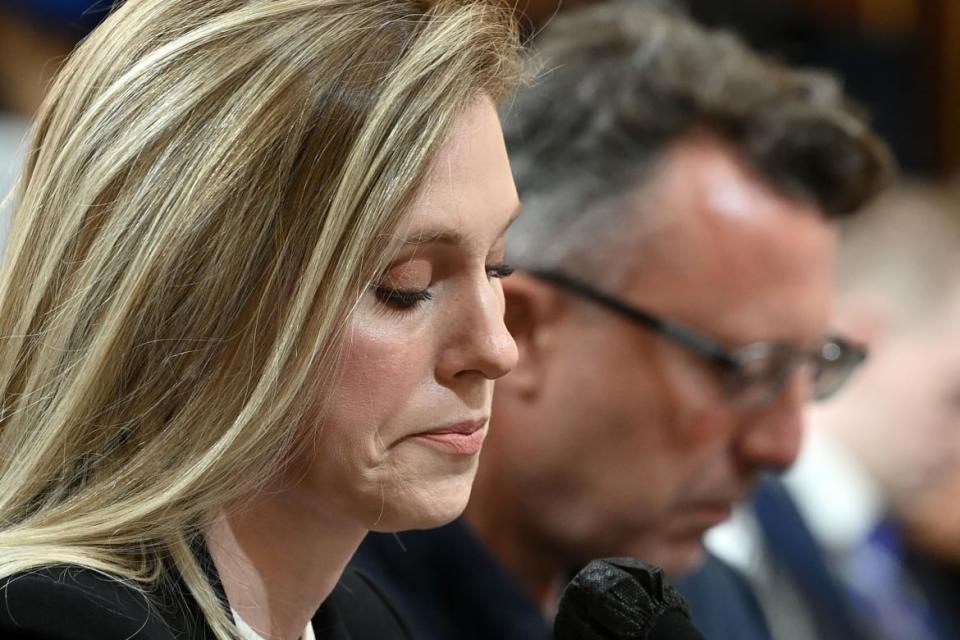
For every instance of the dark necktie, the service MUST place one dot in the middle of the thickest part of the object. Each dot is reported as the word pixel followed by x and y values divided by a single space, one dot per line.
pixel 792 546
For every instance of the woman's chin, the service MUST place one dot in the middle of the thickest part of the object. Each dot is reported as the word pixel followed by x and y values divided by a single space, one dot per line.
pixel 424 507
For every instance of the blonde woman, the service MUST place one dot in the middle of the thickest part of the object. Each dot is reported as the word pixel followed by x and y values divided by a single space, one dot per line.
pixel 249 311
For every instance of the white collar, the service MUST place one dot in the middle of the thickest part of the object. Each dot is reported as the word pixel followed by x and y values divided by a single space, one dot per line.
pixel 247 632
pixel 835 494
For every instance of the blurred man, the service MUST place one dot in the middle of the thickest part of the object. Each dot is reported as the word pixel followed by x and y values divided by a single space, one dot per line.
pixel 932 522
pixel 35 38
pixel 677 249
pixel 536 13
pixel 825 547
pixel 931 529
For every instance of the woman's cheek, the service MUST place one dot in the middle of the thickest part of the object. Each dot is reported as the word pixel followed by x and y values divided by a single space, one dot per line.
pixel 380 376
pixel 367 411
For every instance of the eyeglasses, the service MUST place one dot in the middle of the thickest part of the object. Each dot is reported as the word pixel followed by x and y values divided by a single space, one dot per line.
pixel 754 375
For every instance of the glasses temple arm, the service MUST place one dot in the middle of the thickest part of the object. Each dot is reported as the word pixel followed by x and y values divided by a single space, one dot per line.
pixel 679 333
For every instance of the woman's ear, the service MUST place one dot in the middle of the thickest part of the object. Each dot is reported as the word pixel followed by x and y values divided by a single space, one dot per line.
pixel 532 308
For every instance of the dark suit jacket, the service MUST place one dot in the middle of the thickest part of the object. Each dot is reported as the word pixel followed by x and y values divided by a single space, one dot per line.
pixel 722 603
pixel 72 603
pixel 449 586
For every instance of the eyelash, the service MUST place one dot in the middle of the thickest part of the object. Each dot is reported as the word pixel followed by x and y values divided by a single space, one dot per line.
pixel 500 271
pixel 402 300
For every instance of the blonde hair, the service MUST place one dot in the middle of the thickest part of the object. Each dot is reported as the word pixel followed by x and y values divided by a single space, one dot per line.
pixel 212 186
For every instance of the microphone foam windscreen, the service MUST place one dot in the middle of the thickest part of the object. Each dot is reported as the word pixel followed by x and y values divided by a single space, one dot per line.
pixel 622 599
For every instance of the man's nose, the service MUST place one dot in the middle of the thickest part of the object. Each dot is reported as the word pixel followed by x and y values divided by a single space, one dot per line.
pixel 771 436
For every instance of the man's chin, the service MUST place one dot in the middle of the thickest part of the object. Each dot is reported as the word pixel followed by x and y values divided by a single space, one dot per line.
pixel 684 559
pixel 677 556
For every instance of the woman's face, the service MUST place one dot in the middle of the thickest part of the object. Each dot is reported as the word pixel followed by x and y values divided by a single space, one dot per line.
pixel 399 444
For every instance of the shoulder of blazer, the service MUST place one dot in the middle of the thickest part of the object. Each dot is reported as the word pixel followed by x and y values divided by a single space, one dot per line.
pixel 74 603
pixel 358 610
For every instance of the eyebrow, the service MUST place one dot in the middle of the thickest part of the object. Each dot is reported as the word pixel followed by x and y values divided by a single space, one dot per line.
pixel 452 236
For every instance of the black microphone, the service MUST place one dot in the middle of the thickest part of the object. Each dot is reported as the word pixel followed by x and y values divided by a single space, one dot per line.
pixel 622 599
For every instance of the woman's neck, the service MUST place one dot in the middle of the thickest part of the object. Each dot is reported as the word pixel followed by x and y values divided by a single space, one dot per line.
pixel 279 559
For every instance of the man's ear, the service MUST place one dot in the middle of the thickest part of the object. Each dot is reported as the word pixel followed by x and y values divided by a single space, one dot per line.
pixel 532 309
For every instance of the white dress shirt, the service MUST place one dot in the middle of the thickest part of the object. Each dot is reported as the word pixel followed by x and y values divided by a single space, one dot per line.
pixel 247 632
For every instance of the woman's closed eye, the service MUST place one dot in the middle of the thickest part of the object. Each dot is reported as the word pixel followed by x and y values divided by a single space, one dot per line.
pixel 501 270
pixel 402 299
pixel 406 285
pixel 407 298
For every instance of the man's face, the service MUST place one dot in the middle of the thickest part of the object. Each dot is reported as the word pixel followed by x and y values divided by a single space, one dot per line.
pixel 610 439
pixel 901 415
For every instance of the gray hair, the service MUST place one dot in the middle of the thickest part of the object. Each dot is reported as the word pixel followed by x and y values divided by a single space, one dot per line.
pixel 623 82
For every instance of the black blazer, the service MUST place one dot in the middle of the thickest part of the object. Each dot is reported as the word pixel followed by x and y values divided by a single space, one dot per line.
pixel 73 603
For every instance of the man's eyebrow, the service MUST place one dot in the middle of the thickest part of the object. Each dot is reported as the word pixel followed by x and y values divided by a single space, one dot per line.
pixel 451 236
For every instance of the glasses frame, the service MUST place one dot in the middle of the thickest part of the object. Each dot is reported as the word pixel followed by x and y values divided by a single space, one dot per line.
pixel 734 361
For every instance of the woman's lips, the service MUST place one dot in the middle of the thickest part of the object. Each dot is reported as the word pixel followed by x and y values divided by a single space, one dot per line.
pixel 464 438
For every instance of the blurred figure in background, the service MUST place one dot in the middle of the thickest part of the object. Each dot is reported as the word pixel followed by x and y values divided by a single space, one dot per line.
pixel 932 522
pixel 537 13
pixel 672 315
pixel 825 547
pixel 931 527
pixel 35 38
